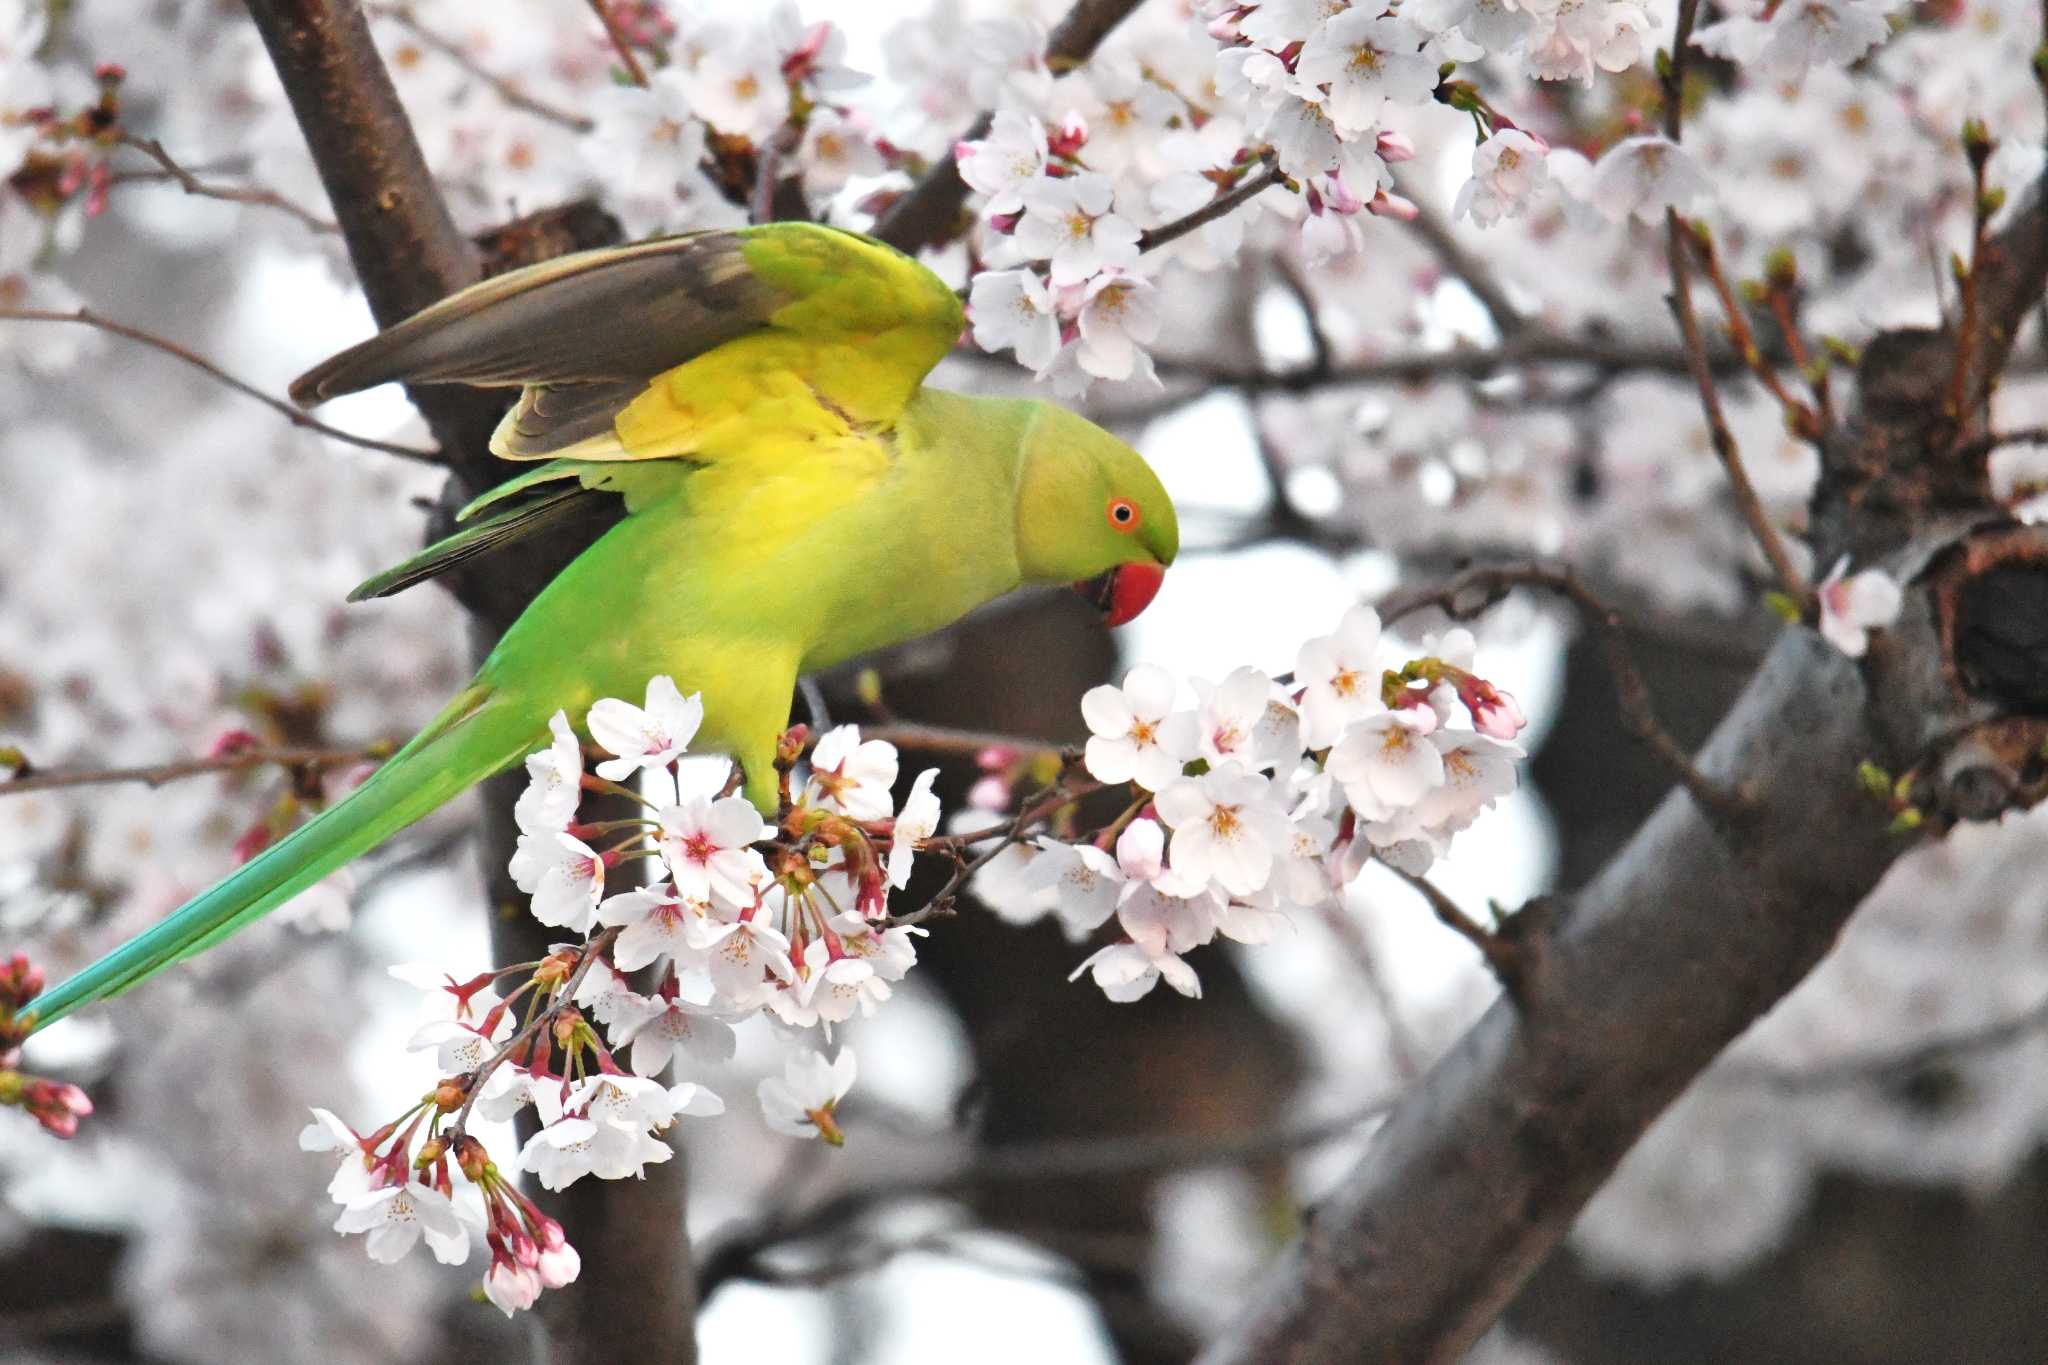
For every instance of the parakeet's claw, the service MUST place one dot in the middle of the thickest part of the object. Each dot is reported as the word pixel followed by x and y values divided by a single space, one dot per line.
pixel 1124 591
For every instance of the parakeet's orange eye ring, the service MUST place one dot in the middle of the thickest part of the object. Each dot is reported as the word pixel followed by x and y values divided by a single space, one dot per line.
pixel 1123 514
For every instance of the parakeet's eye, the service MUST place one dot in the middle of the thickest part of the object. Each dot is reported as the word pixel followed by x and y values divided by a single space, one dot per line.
pixel 1123 514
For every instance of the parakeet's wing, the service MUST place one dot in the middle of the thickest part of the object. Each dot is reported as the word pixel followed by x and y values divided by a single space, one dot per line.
pixel 652 350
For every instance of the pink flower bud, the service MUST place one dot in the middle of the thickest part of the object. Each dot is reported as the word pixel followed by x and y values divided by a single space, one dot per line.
pixel 1386 205
pixel 1394 147
pixel 1066 140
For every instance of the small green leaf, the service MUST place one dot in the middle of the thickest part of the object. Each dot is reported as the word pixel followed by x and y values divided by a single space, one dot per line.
pixel 1783 607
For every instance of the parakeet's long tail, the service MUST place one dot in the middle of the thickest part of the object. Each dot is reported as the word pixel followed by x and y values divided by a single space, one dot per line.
pixel 476 735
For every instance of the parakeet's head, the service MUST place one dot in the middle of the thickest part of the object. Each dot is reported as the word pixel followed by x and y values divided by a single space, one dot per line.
pixel 1091 512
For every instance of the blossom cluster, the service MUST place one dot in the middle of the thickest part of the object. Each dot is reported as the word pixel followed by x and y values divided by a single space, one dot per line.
pixel 56 1105
pixel 1264 798
pixel 740 918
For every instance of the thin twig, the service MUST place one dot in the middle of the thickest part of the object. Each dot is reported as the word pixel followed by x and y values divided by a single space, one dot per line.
pixel 620 43
pixel 1638 717
pixel 1960 399
pixel 593 949
pixel 928 214
pixel 1029 1163
pixel 1800 418
pixel 156 775
pixel 1504 957
pixel 1250 188
pixel 946 739
pixel 1790 580
pixel 1005 835
pixel 297 418
pixel 506 89
pixel 1983 445
pixel 234 194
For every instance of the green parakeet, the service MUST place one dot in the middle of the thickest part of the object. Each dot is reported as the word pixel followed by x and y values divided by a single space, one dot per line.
pixel 796 496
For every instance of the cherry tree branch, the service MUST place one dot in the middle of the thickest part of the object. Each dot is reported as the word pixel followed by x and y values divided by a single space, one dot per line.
pixel 735 1253
pixel 1469 593
pixel 155 775
pixel 928 213
pixel 620 43
pixel 503 87
pixel 1790 580
pixel 305 421
pixel 1254 184
pixel 234 194
pixel 1676 946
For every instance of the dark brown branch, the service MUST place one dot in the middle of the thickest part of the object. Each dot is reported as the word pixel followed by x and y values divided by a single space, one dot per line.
pixel 155 775
pixel 1467 594
pixel 928 214
pixel 505 88
pixel 1674 948
pixel 734 1254
pixel 291 413
pixel 234 194
pixel 1504 957
pixel 1253 185
pixel 620 43
pixel 1800 418
pixel 406 248
pixel 1790 580
pixel 1981 448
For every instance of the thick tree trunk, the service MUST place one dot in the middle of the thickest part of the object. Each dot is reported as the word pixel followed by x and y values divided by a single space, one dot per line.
pixel 639 1300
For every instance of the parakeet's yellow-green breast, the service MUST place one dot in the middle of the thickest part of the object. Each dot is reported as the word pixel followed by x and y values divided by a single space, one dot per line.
pixel 795 496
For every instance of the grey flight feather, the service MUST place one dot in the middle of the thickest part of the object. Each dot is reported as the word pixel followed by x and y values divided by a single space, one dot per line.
pixel 612 317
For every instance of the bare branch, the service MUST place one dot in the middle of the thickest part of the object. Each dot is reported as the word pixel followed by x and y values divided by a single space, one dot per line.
pixel 1264 179
pixel 1504 957
pixel 1493 582
pixel 1790 580
pixel 928 212
pixel 733 1254
pixel 155 775
pixel 234 194
pixel 290 412
pixel 506 89
pixel 620 43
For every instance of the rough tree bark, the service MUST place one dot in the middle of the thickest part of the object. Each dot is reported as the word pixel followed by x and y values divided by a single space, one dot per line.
pixel 408 253
pixel 1698 925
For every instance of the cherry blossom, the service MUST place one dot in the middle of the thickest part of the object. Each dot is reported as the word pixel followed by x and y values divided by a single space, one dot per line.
pixel 661 1031
pixel 554 782
pixel 396 1217
pixel 1226 827
pixel 852 777
pixel 1116 318
pixel 1508 171
pixel 1361 60
pixel 916 822
pixel 1386 763
pixel 650 736
pixel 564 875
pixel 1005 163
pixel 800 1102
pixel 707 846
pixel 1644 176
pixel 1340 677
pixel 1137 734
pixel 1853 605
pixel 1013 310
pixel 1069 223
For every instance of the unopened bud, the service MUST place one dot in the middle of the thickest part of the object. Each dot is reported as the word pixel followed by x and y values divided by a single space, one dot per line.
pixel 450 1094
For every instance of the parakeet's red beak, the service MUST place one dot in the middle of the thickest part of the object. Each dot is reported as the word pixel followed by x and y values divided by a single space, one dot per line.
pixel 1124 591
